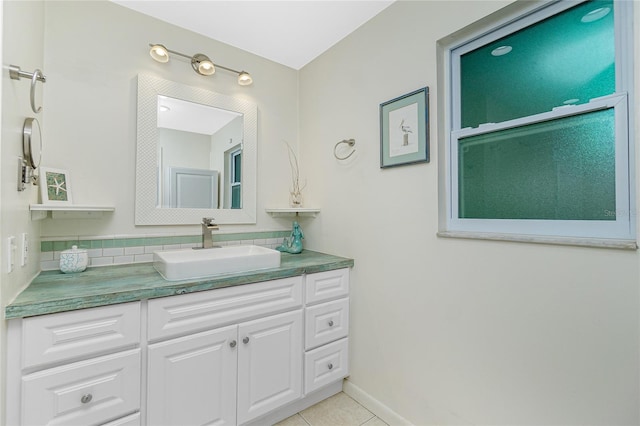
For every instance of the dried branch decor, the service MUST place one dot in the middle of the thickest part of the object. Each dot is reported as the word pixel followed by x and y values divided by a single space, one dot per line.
pixel 296 189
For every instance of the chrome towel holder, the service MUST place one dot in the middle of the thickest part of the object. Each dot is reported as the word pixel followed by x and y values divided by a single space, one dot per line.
pixel 16 73
pixel 350 142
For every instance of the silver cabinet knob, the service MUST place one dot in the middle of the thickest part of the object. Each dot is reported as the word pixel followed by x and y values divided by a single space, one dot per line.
pixel 330 366
pixel 233 343
pixel 330 323
pixel 86 398
pixel 245 340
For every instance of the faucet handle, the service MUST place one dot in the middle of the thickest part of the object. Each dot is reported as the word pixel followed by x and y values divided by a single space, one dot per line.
pixel 208 221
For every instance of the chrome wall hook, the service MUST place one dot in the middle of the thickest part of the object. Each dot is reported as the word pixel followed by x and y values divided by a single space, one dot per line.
pixel 16 74
pixel 350 142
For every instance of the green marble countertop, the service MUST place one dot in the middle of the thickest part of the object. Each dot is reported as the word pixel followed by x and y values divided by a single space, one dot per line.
pixel 53 291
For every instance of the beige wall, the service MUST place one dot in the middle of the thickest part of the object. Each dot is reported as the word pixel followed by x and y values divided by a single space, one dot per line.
pixel 93 53
pixel 443 331
pixel 448 331
pixel 22 40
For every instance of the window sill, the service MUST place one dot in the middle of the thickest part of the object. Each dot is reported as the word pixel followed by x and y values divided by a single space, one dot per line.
pixel 539 239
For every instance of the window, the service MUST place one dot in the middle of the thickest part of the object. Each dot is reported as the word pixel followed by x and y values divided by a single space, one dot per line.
pixel 235 184
pixel 538 139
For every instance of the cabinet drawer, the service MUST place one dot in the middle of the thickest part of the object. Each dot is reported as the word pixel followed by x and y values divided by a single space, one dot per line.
pixel 327 285
pixel 132 420
pixel 84 393
pixel 67 335
pixel 179 315
pixel 326 364
pixel 326 322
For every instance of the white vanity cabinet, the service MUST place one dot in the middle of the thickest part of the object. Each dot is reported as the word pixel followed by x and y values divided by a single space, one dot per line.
pixel 246 363
pixel 240 355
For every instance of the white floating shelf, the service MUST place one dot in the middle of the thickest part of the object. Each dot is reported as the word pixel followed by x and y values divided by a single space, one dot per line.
pixel 293 212
pixel 68 211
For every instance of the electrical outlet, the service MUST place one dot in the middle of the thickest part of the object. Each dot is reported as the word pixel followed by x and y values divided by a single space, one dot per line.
pixel 24 253
pixel 11 253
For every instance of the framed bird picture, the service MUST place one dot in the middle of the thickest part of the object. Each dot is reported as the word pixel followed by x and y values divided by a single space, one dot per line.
pixel 404 129
pixel 55 186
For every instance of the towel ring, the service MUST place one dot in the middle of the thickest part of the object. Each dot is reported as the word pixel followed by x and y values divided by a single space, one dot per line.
pixel 350 142
pixel 16 73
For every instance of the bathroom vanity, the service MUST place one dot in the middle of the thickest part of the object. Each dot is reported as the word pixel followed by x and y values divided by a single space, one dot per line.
pixel 121 346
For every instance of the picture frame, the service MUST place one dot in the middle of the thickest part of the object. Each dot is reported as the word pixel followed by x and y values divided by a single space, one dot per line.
pixel 55 186
pixel 404 129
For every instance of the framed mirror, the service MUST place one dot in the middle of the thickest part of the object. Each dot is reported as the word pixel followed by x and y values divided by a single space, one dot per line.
pixel 196 155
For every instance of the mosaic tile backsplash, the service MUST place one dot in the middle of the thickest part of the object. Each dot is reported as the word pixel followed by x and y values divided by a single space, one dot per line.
pixel 120 250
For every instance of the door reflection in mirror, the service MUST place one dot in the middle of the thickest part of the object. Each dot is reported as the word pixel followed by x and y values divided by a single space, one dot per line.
pixel 199 155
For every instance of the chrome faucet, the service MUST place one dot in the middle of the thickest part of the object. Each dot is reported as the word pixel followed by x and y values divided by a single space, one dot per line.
pixel 207 227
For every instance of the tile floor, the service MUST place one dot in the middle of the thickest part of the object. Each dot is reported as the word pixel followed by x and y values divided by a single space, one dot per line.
pixel 338 410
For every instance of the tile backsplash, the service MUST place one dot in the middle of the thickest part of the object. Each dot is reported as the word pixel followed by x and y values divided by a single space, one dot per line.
pixel 118 250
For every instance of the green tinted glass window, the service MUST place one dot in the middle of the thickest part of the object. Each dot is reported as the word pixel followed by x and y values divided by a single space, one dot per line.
pixel 562 169
pixel 235 197
pixel 237 167
pixel 565 59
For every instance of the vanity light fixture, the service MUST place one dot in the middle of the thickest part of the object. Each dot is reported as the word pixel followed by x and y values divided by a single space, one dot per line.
pixel 199 62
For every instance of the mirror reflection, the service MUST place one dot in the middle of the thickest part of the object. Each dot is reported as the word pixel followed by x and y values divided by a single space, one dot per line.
pixel 199 155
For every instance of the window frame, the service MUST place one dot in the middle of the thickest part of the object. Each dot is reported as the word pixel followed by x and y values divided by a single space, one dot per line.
pixel 618 233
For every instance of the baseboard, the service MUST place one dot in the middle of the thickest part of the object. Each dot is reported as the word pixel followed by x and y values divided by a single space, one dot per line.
pixel 376 407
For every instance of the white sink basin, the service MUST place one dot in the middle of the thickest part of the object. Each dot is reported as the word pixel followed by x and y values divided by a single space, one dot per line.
pixel 187 264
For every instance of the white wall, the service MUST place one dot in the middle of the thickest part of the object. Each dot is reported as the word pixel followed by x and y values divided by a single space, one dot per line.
pixel 93 52
pixel 450 331
pixel 21 25
pixel 185 149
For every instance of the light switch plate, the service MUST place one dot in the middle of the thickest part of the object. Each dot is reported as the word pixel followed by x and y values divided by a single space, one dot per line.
pixel 24 251
pixel 11 253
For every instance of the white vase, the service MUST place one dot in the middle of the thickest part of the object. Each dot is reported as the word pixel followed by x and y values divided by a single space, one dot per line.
pixel 295 199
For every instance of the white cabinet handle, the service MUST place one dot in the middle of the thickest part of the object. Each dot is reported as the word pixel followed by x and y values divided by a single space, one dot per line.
pixel 86 398
pixel 245 340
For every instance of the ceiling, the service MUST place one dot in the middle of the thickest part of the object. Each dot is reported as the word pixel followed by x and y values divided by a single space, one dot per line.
pixel 292 32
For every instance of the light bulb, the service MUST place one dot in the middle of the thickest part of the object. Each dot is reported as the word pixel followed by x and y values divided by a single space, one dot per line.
pixel 159 53
pixel 206 68
pixel 202 64
pixel 244 79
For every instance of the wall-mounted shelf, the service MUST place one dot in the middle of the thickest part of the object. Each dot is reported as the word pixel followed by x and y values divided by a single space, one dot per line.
pixel 293 212
pixel 68 211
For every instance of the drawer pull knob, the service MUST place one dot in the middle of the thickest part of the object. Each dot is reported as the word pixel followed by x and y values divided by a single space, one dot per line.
pixel 330 366
pixel 330 323
pixel 86 398
pixel 233 343
pixel 245 340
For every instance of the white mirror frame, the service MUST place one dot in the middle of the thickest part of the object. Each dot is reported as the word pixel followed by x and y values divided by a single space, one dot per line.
pixel 147 211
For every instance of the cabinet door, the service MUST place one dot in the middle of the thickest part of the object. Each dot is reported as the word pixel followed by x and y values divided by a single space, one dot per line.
pixel 192 379
pixel 269 364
